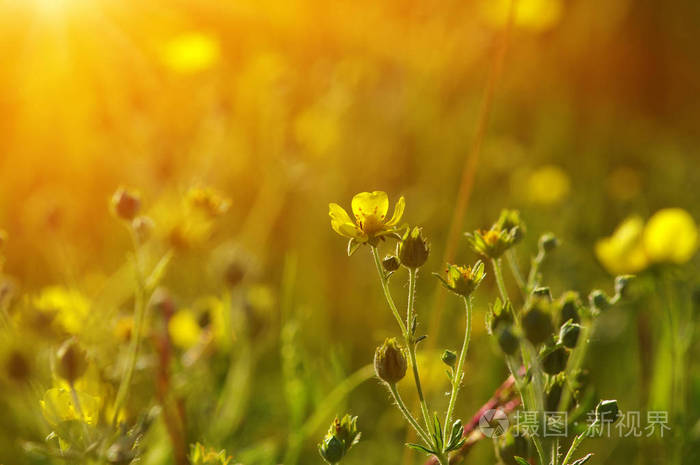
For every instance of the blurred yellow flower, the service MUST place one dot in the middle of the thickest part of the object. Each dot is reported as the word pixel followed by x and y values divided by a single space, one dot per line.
pixel 623 252
pixel 69 305
pixel 191 52
pixel 369 209
pixel 532 15
pixel 57 406
pixel 547 185
pixel 184 329
pixel 208 201
pixel 671 235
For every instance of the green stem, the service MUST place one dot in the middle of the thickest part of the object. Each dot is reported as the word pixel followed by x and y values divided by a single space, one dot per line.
pixel 458 374
pixel 406 413
pixel 515 270
pixel 385 288
pixel 577 442
pixel 411 344
pixel 500 282
pixel 135 344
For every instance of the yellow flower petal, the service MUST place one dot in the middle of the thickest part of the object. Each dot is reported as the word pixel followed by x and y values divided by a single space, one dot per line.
pixel 623 252
pixel 341 221
pixel 398 212
pixel 671 235
pixel 367 204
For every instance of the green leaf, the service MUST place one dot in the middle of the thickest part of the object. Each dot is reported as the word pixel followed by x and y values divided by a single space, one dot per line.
pixel 582 460
pixel 420 448
pixel 520 460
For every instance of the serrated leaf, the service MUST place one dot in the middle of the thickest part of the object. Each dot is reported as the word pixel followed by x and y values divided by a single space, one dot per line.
pixel 420 448
pixel 520 460
pixel 582 460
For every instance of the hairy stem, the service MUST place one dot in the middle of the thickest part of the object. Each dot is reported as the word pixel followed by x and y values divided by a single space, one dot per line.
pixel 385 288
pixel 459 370
pixel 411 344
pixel 407 414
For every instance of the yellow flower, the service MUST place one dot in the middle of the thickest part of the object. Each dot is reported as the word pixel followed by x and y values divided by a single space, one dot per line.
pixel 670 235
pixel 184 329
pixel 548 185
pixel 623 252
pixel 191 52
pixel 58 405
pixel 369 209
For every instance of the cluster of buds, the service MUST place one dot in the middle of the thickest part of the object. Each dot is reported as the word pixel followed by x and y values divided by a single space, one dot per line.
pixel 341 436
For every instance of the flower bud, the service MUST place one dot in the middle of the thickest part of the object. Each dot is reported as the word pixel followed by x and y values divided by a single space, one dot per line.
pixel 413 250
pixel 391 263
pixel 568 334
pixel 599 301
pixel 553 394
pixel 507 340
pixel 234 273
pixel 569 306
pixel 126 203
pixel 341 436
pixel 622 284
pixel 449 358
pixel 547 243
pixel 543 292
pixel 390 362
pixel 143 227
pixel 463 280
pixel 537 324
pixel 331 449
pixel 72 361
pixel 554 361
pixel 607 411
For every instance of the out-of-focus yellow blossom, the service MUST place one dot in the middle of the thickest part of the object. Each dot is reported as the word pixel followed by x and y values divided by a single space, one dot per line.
pixel 184 329
pixel 671 235
pixel 57 405
pixel 532 15
pixel 369 209
pixel 623 252
pixel 71 308
pixel 208 201
pixel 191 52
pixel 547 185
pixel 432 374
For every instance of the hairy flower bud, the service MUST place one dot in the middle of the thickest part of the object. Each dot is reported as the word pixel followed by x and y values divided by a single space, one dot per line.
pixel 537 323
pixel 390 361
pixel 341 436
pixel 569 306
pixel 542 292
pixel 547 243
pixel 449 358
pixel 391 263
pixel 413 250
pixel 554 361
pixel 607 411
pixel 463 280
pixel 126 203
pixel 568 334
pixel 507 340
pixel 72 361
